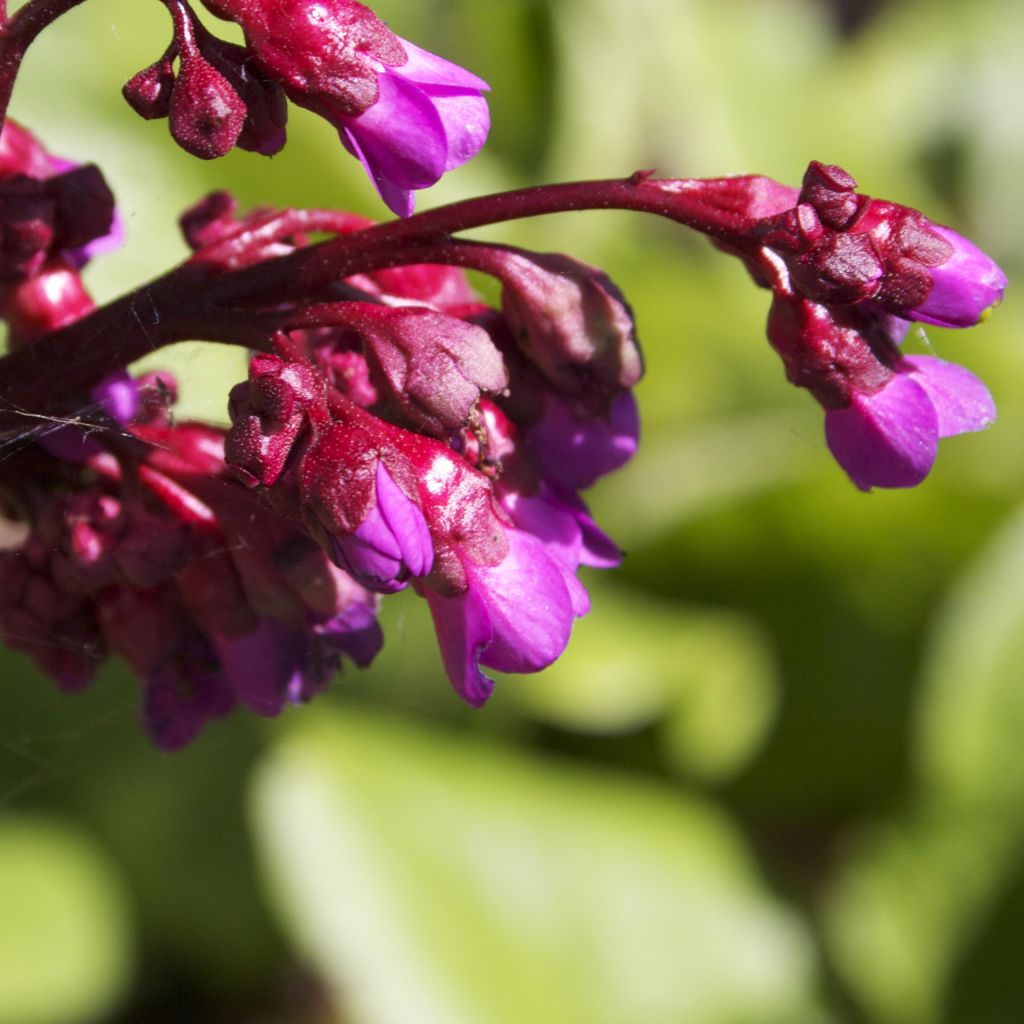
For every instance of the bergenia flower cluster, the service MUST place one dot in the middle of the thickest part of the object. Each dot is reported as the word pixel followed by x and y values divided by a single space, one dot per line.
pixel 395 431
pixel 849 274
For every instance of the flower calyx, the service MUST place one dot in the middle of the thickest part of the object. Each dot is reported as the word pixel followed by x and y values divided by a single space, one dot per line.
pixel 842 247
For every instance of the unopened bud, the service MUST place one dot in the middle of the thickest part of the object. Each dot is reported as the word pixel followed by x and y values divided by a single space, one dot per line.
pixel 206 114
pixel 84 206
pixel 268 412
pixel 831 351
pixel 266 107
pixel 209 220
pixel 435 366
pixel 832 193
pixel 148 92
pixel 571 321
pixel 51 299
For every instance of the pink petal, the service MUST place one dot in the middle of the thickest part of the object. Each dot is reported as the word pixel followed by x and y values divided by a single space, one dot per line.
pixel 426 68
pixel 529 606
pixel 466 120
pixel 400 139
pixel 964 288
pixel 264 666
pixel 463 630
pixel 888 439
pixel 962 403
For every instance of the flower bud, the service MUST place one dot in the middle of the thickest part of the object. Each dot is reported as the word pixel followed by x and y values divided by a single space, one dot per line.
pixel 266 107
pixel 831 351
pixel 964 288
pixel 148 92
pixel 571 321
pixel 268 412
pixel 22 153
pixel 206 114
pixel 842 247
pixel 209 220
pixel 435 365
pixel 890 437
pixel 407 115
pixel 27 228
pixel 390 545
pixel 51 299
pixel 326 55
pixel 576 447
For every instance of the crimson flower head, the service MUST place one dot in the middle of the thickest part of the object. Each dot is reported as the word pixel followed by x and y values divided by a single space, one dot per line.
pixel 407 115
pixel 430 442
pixel 842 247
pixel 884 412
pixel 849 273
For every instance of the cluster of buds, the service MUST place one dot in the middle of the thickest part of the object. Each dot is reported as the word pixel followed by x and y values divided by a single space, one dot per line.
pixel 132 538
pixel 426 440
pixel 407 115
pixel 849 274
pixel 141 545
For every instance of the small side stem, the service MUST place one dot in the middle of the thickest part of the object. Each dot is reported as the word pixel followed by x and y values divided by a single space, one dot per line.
pixel 17 34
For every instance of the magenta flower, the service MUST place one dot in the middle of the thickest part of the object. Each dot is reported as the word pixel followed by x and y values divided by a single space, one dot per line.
pixel 843 247
pixel 515 616
pixel 577 449
pixel 561 519
pixel 391 544
pixel 889 438
pixel 884 412
pixel 430 117
pixel 964 288
pixel 407 115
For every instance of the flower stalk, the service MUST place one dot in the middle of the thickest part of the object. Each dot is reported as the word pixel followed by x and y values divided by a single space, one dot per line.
pixel 192 302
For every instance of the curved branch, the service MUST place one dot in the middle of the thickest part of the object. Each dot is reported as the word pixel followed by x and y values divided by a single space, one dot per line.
pixel 18 33
pixel 203 300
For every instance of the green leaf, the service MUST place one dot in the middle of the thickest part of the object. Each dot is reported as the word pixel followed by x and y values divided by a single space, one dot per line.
pixel 65 935
pixel 430 877
pixel 906 903
pixel 914 896
pixel 972 704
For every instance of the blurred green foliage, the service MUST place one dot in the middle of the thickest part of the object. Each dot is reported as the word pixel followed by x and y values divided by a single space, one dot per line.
pixel 778 776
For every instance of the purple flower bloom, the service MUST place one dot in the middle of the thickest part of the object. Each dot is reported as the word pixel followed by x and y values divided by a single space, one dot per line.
pixel 889 438
pixel 560 519
pixel 391 544
pixel 430 117
pixel 576 449
pixel 515 616
pixel 406 114
pixel 266 667
pixel 964 288
pixel 354 632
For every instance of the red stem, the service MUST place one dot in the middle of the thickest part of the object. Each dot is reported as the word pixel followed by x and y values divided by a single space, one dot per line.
pixel 243 307
pixel 17 34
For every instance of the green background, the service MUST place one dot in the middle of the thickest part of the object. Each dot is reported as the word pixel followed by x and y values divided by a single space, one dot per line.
pixel 778 776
